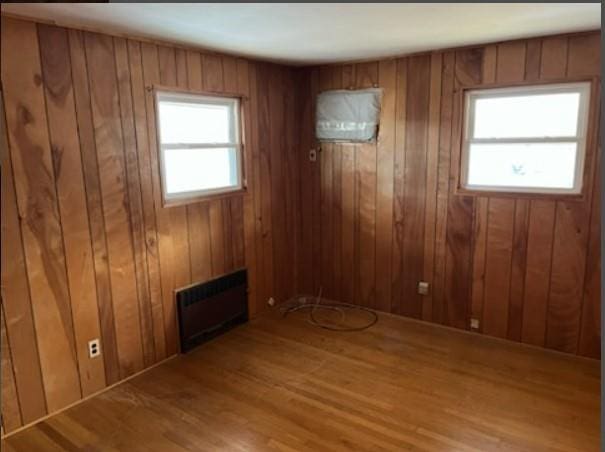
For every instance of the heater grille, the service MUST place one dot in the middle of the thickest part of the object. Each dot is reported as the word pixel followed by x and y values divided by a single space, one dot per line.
pixel 211 308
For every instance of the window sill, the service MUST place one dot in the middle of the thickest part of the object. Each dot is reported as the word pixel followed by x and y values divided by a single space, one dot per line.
pixel 203 198
pixel 459 191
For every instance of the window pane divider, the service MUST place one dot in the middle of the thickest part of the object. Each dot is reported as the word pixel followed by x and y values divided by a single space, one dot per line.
pixel 524 140
pixel 199 145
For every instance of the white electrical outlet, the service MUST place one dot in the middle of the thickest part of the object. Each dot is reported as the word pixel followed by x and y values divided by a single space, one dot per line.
pixel 313 155
pixel 423 288
pixel 474 324
pixel 94 348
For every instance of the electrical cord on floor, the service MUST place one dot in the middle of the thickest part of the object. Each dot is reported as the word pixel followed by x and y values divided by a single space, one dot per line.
pixel 301 303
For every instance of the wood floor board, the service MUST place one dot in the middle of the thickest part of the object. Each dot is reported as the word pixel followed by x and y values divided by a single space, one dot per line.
pixel 281 384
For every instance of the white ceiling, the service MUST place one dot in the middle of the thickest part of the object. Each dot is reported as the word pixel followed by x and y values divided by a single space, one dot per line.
pixel 322 32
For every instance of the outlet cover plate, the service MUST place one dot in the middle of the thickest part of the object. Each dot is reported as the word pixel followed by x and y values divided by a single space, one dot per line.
pixel 423 287
pixel 94 348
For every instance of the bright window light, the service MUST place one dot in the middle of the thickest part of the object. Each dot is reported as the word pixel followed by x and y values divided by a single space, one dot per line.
pixel 525 139
pixel 200 149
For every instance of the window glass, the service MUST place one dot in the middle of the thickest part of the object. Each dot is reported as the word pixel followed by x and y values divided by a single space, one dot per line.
pixel 523 165
pixel 548 115
pixel 529 138
pixel 199 145
pixel 187 122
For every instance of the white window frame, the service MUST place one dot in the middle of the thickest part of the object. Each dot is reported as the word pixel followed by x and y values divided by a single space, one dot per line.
pixel 234 103
pixel 471 96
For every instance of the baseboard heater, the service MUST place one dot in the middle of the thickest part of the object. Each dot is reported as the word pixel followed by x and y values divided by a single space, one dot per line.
pixel 211 308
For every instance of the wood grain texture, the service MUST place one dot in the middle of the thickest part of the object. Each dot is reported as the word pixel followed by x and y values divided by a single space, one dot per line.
pixel 91 92
pixel 116 203
pixel 135 199
pixel 39 213
pixel 94 203
pixel 537 276
pixel 385 154
pixel 390 388
pixel 432 173
pixel 414 182
pixel 517 271
pixel 67 163
pixel 147 194
pixel 486 257
pixel 16 302
pixel 11 411
pixel 165 311
pixel 500 229
pixel 91 240
pixel 573 221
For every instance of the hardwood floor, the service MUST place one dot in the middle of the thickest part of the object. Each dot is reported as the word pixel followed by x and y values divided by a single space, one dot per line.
pixel 282 384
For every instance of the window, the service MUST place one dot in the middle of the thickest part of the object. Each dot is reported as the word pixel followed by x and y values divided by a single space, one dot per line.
pixel 200 148
pixel 525 139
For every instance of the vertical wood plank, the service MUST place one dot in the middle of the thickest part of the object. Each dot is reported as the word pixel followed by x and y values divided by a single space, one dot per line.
pixel 315 194
pixel 38 210
pixel 518 267
pixel 458 270
pixel 16 301
pixel 511 62
pixel 553 59
pixel 212 75
pixel 414 185
pixel 498 264
pixel 567 276
pixel 217 241
pixel 537 275
pixel 67 162
pixel 166 311
pixel 13 265
pixel 366 76
pixel 116 204
pixel 387 80
pixel 326 160
pixel 306 130
pixel 347 223
pixel 533 56
pixel 584 55
pixel 11 413
pixel 249 212
pixel 135 200
pixel 335 249
pixel 95 205
pixel 590 332
pixel 347 204
pixel 398 187
pixel 257 190
pixel 147 193
pixel 264 175
pixel 439 311
pixel 432 168
pixel 276 168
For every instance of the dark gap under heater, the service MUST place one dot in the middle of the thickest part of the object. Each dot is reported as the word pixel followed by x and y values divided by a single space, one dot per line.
pixel 211 308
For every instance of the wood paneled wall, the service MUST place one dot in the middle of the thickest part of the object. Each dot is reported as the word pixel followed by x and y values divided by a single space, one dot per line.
pixel 379 218
pixel 87 249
